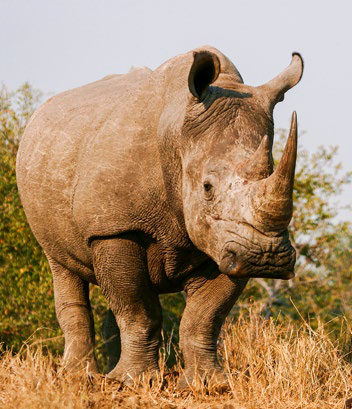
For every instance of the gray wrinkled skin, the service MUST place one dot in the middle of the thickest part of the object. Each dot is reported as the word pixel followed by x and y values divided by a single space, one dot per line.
pixel 155 182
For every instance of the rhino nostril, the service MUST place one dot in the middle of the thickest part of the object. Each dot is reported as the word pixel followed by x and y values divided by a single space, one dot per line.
pixel 228 262
pixel 233 261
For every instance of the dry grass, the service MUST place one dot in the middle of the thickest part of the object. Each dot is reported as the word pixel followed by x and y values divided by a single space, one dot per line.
pixel 271 366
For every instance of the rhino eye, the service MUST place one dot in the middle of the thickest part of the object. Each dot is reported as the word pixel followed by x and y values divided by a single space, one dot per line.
pixel 207 186
pixel 208 190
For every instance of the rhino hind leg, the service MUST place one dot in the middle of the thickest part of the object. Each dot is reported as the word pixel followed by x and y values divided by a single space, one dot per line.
pixel 121 271
pixel 75 317
pixel 208 303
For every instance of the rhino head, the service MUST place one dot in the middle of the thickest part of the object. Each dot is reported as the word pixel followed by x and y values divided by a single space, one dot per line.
pixel 236 206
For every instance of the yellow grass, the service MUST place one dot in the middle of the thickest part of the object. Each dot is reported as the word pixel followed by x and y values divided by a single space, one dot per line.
pixel 272 367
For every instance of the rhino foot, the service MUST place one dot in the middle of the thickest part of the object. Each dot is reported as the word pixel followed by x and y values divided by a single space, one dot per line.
pixel 214 379
pixel 88 364
pixel 133 377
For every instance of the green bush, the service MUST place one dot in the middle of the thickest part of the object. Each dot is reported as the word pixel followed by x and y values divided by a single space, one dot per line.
pixel 26 295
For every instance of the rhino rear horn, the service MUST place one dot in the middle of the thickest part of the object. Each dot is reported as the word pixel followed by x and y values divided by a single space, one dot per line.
pixel 260 164
pixel 276 88
pixel 204 71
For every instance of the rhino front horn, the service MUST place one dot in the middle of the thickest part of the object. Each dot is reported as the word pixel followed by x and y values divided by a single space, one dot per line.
pixel 271 198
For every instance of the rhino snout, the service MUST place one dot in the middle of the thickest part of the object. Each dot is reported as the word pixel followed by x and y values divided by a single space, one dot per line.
pixel 239 260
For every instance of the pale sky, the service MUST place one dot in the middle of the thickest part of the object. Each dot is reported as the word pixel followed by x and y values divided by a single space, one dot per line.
pixel 57 45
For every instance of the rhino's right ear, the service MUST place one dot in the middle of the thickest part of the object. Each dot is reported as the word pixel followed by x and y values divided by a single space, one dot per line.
pixel 204 71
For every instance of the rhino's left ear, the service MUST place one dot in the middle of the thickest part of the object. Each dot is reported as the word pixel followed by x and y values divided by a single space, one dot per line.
pixel 204 71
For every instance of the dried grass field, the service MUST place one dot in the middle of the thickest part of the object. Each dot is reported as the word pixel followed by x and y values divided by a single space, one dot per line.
pixel 270 366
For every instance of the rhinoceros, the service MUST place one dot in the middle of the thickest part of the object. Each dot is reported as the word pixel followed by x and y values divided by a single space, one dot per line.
pixel 156 182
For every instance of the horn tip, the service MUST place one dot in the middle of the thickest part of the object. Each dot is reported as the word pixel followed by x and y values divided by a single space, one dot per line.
pixel 293 128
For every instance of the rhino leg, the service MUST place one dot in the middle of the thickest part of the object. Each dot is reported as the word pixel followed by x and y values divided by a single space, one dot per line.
pixel 120 269
pixel 75 317
pixel 208 303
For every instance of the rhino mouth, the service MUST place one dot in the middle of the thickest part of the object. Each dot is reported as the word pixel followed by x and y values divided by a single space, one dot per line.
pixel 274 258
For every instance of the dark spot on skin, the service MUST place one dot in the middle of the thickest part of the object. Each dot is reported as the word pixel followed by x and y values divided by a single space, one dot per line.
pixel 245 181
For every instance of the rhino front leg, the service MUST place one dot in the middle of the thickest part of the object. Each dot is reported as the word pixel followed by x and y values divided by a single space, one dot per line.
pixel 75 317
pixel 208 303
pixel 120 269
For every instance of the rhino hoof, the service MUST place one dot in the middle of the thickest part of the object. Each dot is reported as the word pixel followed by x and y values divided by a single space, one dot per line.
pixel 214 380
pixel 89 366
pixel 132 379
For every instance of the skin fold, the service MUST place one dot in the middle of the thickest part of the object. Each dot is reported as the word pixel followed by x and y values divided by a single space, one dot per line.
pixel 155 182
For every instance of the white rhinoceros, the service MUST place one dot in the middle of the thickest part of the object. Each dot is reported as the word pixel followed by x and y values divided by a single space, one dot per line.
pixel 155 182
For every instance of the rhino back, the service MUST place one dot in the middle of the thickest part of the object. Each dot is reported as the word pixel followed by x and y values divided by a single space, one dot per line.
pixel 88 163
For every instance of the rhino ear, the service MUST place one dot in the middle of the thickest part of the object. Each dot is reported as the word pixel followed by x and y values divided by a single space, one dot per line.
pixel 276 88
pixel 204 71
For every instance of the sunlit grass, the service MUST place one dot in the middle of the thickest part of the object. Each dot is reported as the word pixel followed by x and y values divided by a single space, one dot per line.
pixel 269 366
